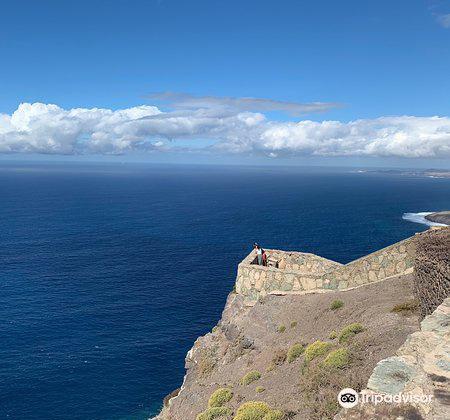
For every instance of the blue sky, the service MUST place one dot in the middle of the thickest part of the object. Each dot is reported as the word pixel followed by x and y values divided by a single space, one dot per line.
pixel 366 59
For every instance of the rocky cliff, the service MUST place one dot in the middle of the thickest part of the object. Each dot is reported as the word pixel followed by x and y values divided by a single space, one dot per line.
pixel 288 356
pixel 439 217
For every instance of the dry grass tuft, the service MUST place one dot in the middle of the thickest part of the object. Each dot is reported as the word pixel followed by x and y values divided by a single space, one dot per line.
pixel 406 308
pixel 207 361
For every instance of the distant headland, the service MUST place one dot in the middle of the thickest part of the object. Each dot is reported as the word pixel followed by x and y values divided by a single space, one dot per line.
pixel 439 217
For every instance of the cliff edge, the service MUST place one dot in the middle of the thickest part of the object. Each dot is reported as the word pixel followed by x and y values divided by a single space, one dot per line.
pixel 287 354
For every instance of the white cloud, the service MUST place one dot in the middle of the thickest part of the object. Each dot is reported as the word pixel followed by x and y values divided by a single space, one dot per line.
pixel 405 136
pixel 46 128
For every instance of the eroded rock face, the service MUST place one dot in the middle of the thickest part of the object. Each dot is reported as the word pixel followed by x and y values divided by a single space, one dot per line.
pixel 439 217
pixel 250 339
pixel 421 367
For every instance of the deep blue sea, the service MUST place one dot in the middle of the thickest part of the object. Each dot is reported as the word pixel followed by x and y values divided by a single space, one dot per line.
pixel 108 273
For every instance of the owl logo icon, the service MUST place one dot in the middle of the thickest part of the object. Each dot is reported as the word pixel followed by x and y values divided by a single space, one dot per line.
pixel 348 398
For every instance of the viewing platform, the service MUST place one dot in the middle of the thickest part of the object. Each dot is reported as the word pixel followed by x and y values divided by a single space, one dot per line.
pixel 289 272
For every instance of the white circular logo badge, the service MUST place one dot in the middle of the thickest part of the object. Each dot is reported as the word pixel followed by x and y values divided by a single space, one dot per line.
pixel 348 398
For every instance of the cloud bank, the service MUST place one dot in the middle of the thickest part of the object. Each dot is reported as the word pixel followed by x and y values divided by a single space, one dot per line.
pixel 50 129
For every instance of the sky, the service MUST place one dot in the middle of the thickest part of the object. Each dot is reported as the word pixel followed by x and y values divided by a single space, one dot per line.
pixel 357 82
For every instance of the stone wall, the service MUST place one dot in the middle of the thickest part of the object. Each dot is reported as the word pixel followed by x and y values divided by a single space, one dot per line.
pixel 302 262
pixel 303 273
pixel 255 281
pixel 432 269
pixel 393 260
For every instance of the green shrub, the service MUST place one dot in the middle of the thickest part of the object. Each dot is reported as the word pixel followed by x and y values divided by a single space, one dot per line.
pixel 214 413
pixel 333 335
pixel 349 331
pixel 260 389
pixel 252 410
pixel 220 397
pixel 250 377
pixel 293 324
pixel 337 359
pixel 336 304
pixel 316 349
pixel 274 415
pixel 295 352
pixel 281 329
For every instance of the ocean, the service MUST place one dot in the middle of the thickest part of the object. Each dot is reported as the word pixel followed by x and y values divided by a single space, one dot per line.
pixel 108 272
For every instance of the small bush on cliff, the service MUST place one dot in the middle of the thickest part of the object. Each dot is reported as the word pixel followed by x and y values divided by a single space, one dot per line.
pixel 214 413
pixel 279 357
pixel 220 397
pixel 319 387
pixel 406 307
pixel 271 367
pixel 333 335
pixel 293 324
pixel 274 415
pixel 260 389
pixel 252 410
pixel 207 361
pixel 349 331
pixel 337 359
pixel 281 329
pixel 336 304
pixel 316 349
pixel 250 377
pixel 257 410
pixel 295 352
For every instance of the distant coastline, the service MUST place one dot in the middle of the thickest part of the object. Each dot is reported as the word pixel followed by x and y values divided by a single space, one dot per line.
pixel 439 217
pixel 428 173
pixel 427 218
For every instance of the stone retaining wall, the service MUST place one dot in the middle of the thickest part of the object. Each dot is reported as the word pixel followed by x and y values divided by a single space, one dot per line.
pixel 391 261
pixel 255 281
pixel 305 273
pixel 432 269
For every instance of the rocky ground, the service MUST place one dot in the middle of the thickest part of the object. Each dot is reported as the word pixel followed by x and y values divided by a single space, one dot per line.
pixel 303 384
pixel 439 217
pixel 420 366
